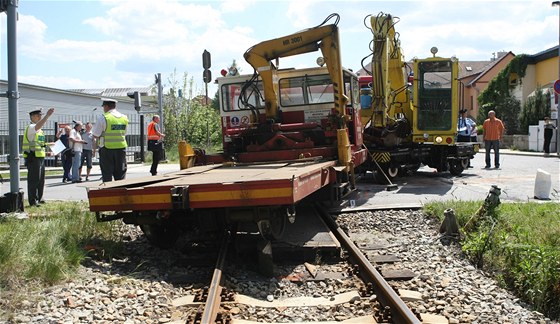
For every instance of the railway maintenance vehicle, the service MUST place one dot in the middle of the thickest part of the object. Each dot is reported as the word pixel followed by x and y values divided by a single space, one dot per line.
pixel 286 138
pixel 410 114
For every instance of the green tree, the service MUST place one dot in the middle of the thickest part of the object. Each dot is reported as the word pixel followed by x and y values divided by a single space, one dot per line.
pixel 188 119
pixel 497 95
pixel 536 108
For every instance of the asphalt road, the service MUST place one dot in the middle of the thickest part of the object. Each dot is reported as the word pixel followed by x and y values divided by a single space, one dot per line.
pixel 516 178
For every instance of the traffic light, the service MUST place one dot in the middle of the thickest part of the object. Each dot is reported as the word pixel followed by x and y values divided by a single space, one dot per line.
pixel 137 100
pixel 207 76
pixel 206 64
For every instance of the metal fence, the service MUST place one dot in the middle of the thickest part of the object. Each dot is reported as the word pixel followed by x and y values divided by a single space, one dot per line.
pixel 133 137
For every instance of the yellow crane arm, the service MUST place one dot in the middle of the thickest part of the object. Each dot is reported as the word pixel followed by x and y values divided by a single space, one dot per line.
pixel 324 37
pixel 388 71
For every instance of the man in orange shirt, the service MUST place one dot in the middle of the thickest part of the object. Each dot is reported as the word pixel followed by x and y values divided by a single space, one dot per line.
pixel 155 143
pixel 493 131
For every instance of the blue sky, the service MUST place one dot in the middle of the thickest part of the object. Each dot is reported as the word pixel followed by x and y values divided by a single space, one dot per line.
pixel 123 43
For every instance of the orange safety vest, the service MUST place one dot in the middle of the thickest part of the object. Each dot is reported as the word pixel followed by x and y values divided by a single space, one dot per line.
pixel 152 134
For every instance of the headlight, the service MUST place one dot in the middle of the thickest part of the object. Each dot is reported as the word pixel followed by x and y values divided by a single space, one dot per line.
pixel 439 139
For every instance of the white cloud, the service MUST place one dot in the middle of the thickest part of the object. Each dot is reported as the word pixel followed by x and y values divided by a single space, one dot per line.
pixel 133 39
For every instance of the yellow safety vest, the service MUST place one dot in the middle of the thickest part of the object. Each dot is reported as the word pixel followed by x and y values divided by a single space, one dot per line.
pixel 37 145
pixel 114 134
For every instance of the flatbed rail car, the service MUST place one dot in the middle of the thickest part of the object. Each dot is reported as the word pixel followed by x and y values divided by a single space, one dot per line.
pixel 212 197
pixel 216 186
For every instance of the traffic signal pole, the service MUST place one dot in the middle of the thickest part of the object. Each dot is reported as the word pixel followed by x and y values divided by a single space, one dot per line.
pixel 12 201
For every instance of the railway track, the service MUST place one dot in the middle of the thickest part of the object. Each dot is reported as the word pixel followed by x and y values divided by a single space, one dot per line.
pixel 387 306
pixel 149 285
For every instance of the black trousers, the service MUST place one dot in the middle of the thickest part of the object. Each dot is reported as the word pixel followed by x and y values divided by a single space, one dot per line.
pixel 156 158
pixel 112 163
pixel 547 138
pixel 35 179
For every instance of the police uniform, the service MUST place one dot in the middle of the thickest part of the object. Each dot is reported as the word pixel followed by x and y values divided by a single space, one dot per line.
pixel 34 154
pixel 110 129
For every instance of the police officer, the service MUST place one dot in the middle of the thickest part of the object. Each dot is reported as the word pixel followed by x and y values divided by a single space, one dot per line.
pixel 109 132
pixel 34 154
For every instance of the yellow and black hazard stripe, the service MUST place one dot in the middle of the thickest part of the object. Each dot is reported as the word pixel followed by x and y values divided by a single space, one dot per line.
pixel 381 157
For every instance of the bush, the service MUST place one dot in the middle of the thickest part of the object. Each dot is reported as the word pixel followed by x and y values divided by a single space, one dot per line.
pixel 520 243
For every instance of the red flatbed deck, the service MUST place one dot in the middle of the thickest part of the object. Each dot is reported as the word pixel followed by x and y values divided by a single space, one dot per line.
pixel 216 186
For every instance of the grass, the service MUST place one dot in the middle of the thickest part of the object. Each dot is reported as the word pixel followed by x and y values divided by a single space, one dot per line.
pixel 23 174
pixel 49 246
pixel 519 243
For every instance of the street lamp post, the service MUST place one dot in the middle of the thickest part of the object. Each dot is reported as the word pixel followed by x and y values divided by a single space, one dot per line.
pixel 557 4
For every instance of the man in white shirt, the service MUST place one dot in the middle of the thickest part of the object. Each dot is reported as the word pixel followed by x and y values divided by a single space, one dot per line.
pixel 77 144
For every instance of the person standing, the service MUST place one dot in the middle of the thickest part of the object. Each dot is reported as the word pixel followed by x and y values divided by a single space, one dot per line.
pixel 110 134
pixel 77 144
pixel 65 156
pixel 87 151
pixel 463 127
pixel 34 154
pixel 548 130
pixel 155 143
pixel 493 132
pixel 474 131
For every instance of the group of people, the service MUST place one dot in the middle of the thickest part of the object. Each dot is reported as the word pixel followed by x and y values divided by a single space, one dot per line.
pixel 107 136
pixel 79 151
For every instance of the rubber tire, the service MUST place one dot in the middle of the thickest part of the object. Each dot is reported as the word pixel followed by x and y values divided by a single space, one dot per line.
pixel 456 167
pixel 161 235
pixel 391 173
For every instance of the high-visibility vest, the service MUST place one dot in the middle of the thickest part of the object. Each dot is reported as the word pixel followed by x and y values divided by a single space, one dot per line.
pixel 152 134
pixel 114 134
pixel 37 145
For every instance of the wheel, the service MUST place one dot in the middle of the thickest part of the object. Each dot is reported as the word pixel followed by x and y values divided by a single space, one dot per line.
pixel 456 167
pixel 162 235
pixel 273 228
pixel 390 172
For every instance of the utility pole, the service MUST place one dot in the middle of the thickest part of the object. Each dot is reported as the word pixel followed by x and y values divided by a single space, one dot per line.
pixel 557 4
pixel 13 200
pixel 160 100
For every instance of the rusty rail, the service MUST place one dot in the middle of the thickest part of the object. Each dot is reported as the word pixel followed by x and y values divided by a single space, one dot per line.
pixel 386 295
pixel 212 305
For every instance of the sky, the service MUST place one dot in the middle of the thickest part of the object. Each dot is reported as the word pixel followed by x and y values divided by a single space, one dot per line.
pixel 123 43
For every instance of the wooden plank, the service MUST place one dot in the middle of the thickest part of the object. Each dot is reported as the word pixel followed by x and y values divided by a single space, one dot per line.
pixel 299 301
pixel 386 258
pixel 433 319
pixel 398 274
pixel 356 320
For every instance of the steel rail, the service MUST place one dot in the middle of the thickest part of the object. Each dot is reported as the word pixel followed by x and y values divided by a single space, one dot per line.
pixel 386 295
pixel 213 301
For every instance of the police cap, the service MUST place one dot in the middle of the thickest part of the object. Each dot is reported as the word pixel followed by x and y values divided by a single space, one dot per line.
pixel 108 101
pixel 36 111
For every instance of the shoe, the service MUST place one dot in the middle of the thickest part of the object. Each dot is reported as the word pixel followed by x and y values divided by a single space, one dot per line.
pixel 35 205
pixel 42 202
pixel 64 180
pixel 487 167
pixel 87 179
pixel 76 181
pixel 497 166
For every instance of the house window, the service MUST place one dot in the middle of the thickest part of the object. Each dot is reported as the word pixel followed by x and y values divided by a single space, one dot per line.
pixel 513 79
